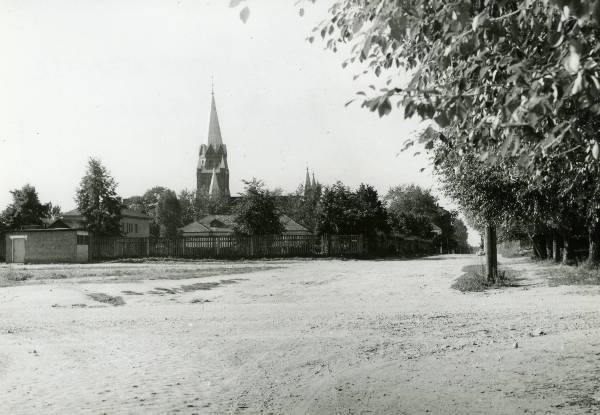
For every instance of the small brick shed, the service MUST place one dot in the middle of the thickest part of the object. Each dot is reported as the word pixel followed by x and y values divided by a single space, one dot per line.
pixel 43 246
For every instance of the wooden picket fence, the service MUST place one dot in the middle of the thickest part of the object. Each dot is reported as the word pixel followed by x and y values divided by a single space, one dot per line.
pixel 260 246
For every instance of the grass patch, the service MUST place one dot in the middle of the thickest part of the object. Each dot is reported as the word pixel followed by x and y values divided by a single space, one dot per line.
pixel 474 280
pixel 199 301
pixel 111 273
pixel 567 275
pixel 9 277
pixel 18 276
pixel 107 299
pixel 200 286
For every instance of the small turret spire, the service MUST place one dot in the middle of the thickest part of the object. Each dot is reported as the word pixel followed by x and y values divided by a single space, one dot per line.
pixel 307 181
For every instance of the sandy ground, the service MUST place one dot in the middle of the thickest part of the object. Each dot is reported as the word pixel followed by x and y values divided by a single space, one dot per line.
pixel 301 337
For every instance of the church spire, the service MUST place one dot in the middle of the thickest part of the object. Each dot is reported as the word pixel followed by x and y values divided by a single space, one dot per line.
pixel 307 181
pixel 214 130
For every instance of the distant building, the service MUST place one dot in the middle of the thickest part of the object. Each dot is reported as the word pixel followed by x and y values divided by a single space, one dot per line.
pixel 212 173
pixel 133 224
pixel 222 225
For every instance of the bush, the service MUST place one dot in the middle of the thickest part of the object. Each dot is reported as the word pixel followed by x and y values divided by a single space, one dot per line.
pixel 581 275
pixel 474 280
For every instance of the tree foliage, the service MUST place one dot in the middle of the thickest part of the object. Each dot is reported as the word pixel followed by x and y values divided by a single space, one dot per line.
pixel 25 209
pixel 303 205
pixel 168 213
pixel 97 200
pixel 500 75
pixel 256 212
pixel 343 211
pixel 413 211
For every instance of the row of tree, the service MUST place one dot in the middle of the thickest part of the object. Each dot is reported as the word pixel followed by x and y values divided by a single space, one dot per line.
pixel 405 210
pixel 512 91
pixel 96 199
pixel 336 209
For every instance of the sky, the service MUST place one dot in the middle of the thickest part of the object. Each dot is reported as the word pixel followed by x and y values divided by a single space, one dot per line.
pixel 129 82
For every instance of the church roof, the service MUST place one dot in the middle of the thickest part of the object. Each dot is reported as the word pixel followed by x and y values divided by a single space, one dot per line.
pixel 214 130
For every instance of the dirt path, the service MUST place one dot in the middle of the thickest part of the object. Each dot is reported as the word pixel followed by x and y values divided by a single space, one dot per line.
pixel 302 337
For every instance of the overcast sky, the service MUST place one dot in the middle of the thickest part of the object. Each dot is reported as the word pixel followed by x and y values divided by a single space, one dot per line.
pixel 129 82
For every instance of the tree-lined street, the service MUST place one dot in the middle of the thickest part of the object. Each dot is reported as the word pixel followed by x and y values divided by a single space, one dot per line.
pixel 296 337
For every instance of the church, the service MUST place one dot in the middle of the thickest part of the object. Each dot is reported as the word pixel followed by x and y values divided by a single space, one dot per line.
pixel 212 182
pixel 212 174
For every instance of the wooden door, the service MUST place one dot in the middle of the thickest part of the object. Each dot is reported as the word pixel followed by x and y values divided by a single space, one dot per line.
pixel 18 250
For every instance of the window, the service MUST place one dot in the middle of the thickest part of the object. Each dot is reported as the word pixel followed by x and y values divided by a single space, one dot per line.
pixel 83 239
pixel 136 228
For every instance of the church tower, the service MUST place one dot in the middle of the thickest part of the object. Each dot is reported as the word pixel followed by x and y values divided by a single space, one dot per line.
pixel 212 174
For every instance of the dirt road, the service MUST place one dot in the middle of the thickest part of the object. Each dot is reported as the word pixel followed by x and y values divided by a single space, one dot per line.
pixel 303 337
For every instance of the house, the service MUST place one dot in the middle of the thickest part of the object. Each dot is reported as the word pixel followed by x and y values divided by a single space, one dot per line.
pixel 133 224
pixel 44 246
pixel 222 225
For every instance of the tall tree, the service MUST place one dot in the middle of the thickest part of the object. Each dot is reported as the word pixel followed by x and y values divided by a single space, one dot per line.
pixel 169 214
pixel 25 209
pixel 487 193
pixel 256 212
pixel 55 211
pixel 372 215
pixel 303 205
pixel 97 200
pixel 190 210
pixel 461 236
pixel 206 205
pixel 411 210
pixel 343 211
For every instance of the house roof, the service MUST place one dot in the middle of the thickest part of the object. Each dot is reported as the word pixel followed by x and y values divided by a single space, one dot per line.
pixel 225 223
pixel 128 213
pixel 227 220
pixel 194 227
pixel 291 225
pixel 63 223
pixel 73 212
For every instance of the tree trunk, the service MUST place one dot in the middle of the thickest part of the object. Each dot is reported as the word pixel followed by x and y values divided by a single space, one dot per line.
pixel 548 239
pixel 491 254
pixel 539 248
pixel 594 246
pixel 555 247
pixel 566 251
